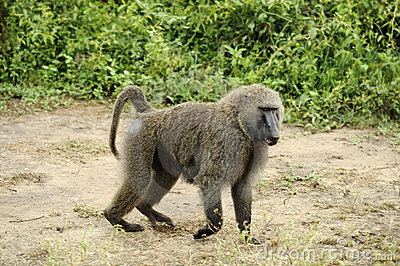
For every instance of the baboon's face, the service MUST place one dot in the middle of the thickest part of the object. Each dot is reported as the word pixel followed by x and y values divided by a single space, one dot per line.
pixel 262 113
pixel 268 126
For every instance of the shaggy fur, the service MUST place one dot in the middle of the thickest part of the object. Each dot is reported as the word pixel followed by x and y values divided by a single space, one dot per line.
pixel 210 145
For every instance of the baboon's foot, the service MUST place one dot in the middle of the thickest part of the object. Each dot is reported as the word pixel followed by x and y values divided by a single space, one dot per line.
pixel 147 211
pixel 162 218
pixel 246 236
pixel 155 216
pixel 128 227
pixel 205 231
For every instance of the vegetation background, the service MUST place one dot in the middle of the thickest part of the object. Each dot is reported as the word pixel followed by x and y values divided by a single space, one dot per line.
pixel 335 63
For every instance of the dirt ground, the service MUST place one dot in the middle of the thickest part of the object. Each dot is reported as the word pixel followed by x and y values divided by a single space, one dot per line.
pixel 324 198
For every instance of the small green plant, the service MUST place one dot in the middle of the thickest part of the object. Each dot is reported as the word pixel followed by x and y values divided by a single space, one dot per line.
pixel 55 252
pixel 356 139
pixel 23 176
pixel 85 211
pixel 262 184
pixel 108 247
pixel 291 177
pixel 54 211
pixel 85 244
pixel 76 148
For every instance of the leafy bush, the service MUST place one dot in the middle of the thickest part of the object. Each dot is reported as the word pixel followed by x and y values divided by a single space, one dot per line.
pixel 335 63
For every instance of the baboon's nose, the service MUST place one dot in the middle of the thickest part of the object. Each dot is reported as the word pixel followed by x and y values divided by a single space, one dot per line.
pixel 271 141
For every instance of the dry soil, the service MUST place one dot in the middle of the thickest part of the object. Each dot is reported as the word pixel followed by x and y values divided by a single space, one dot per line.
pixel 324 198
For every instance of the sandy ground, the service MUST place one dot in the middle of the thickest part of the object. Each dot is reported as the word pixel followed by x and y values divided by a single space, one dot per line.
pixel 324 198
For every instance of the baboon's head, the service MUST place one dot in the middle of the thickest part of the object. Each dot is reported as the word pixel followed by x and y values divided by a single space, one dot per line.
pixel 260 112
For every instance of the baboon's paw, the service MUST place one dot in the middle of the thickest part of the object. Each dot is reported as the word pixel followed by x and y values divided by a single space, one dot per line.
pixel 121 223
pixel 163 219
pixel 203 233
pixel 128 227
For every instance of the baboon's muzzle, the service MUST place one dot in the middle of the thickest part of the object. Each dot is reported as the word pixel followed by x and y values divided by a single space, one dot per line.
pixel 271 141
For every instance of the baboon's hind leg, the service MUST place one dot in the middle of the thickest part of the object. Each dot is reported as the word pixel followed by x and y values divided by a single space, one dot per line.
pixel 137 172
pixel 162 218
pixel 160 184
pixel 154 216
pixel 124 202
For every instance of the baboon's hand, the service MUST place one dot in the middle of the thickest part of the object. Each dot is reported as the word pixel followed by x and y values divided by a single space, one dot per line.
pixel 245 235
pixel 203 233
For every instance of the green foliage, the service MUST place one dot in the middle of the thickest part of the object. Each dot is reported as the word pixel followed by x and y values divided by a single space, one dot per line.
pixel 335 63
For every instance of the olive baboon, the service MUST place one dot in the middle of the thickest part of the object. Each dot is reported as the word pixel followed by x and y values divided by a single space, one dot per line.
pixel 211 145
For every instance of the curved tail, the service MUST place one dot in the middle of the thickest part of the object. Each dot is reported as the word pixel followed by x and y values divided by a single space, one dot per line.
pixel 139 103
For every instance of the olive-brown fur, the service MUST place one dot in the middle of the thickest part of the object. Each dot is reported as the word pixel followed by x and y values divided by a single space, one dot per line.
pixel 210 145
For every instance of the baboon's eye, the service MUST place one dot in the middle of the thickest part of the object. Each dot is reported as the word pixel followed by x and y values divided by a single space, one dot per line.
pixel 266 109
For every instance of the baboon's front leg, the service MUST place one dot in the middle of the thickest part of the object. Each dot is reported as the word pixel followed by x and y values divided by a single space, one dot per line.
pixel 213 212
pixel 242 196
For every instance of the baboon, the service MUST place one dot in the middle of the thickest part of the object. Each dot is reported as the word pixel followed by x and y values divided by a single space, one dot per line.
pixel 210 145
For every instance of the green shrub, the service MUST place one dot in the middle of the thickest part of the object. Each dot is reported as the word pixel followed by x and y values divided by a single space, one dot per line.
pixel 335 63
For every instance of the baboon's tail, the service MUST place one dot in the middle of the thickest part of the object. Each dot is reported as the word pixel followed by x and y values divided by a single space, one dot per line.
pixel 135 95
